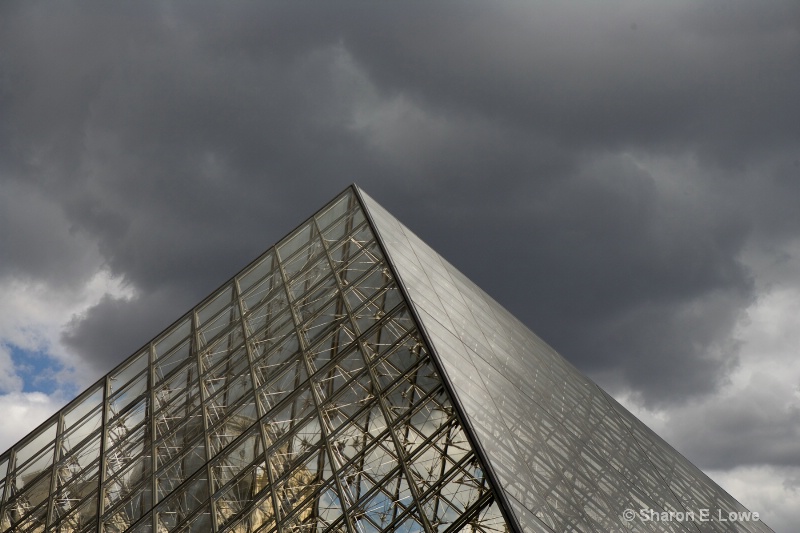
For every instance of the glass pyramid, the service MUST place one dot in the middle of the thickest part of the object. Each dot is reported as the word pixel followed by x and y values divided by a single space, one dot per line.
pixel 350 379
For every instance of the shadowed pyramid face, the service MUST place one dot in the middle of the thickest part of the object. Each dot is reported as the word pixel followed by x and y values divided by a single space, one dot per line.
pixel 349 379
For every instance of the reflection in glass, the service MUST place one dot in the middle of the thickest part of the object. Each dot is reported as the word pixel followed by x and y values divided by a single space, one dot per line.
pixel 300 396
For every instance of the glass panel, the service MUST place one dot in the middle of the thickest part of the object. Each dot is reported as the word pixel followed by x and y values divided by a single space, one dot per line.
pixel 233 460
pixel 73 484
pixel 144 526
pixel 240 494
pixel 265 267
pixel 329 509
pixel 224 328
pixel 270 357
pixel 325 320
pixel 200 523
pixel 237 422
pixel 220 301
pixel 300 238
pixel 330 347
pixel 281 385
pixel 172 337
pixel 185 436
pixel 91 402
pixel 180 505
pixel 34 445
pixel 36 491
pixel 346 228
pixel 258 516
pixel 302 282
pixel 280 421
pixel 2 487
pixel 81 516
pixel 387 501
pixel 297 490
pixel 273 316
pixel 25 516
pixel 178 402
pixel 327 216
pixel 135 503
pixel 125 449
pixel 313 301
pixel 119 379
pixel 192 459
pixel 80 467
pixel 178 356
pixel 122 400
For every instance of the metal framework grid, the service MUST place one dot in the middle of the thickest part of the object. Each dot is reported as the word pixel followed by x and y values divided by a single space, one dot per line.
pixel 349 379
pixel 300 396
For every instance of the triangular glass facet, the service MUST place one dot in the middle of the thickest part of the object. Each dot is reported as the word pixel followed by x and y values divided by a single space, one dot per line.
pixel 563 454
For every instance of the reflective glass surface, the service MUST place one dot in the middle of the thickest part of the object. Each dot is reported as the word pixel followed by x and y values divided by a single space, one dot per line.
pixel 300 396
pixel 565 455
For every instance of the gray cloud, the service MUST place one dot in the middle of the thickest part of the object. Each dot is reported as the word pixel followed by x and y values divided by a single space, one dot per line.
pixel 115 328
pixel 706 79
pixel 756 428
pixel 180 140
pixel 37 242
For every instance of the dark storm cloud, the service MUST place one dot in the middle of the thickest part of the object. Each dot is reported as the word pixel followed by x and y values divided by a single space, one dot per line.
pixel 132 325
pixel 713 78
pixel 508 135
pixel 36 242
pixel 160 151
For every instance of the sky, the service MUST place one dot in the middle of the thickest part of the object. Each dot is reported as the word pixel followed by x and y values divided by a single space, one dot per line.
pixel 623 176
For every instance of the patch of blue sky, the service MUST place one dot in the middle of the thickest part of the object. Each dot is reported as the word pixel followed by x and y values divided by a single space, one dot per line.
pixel 38 370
